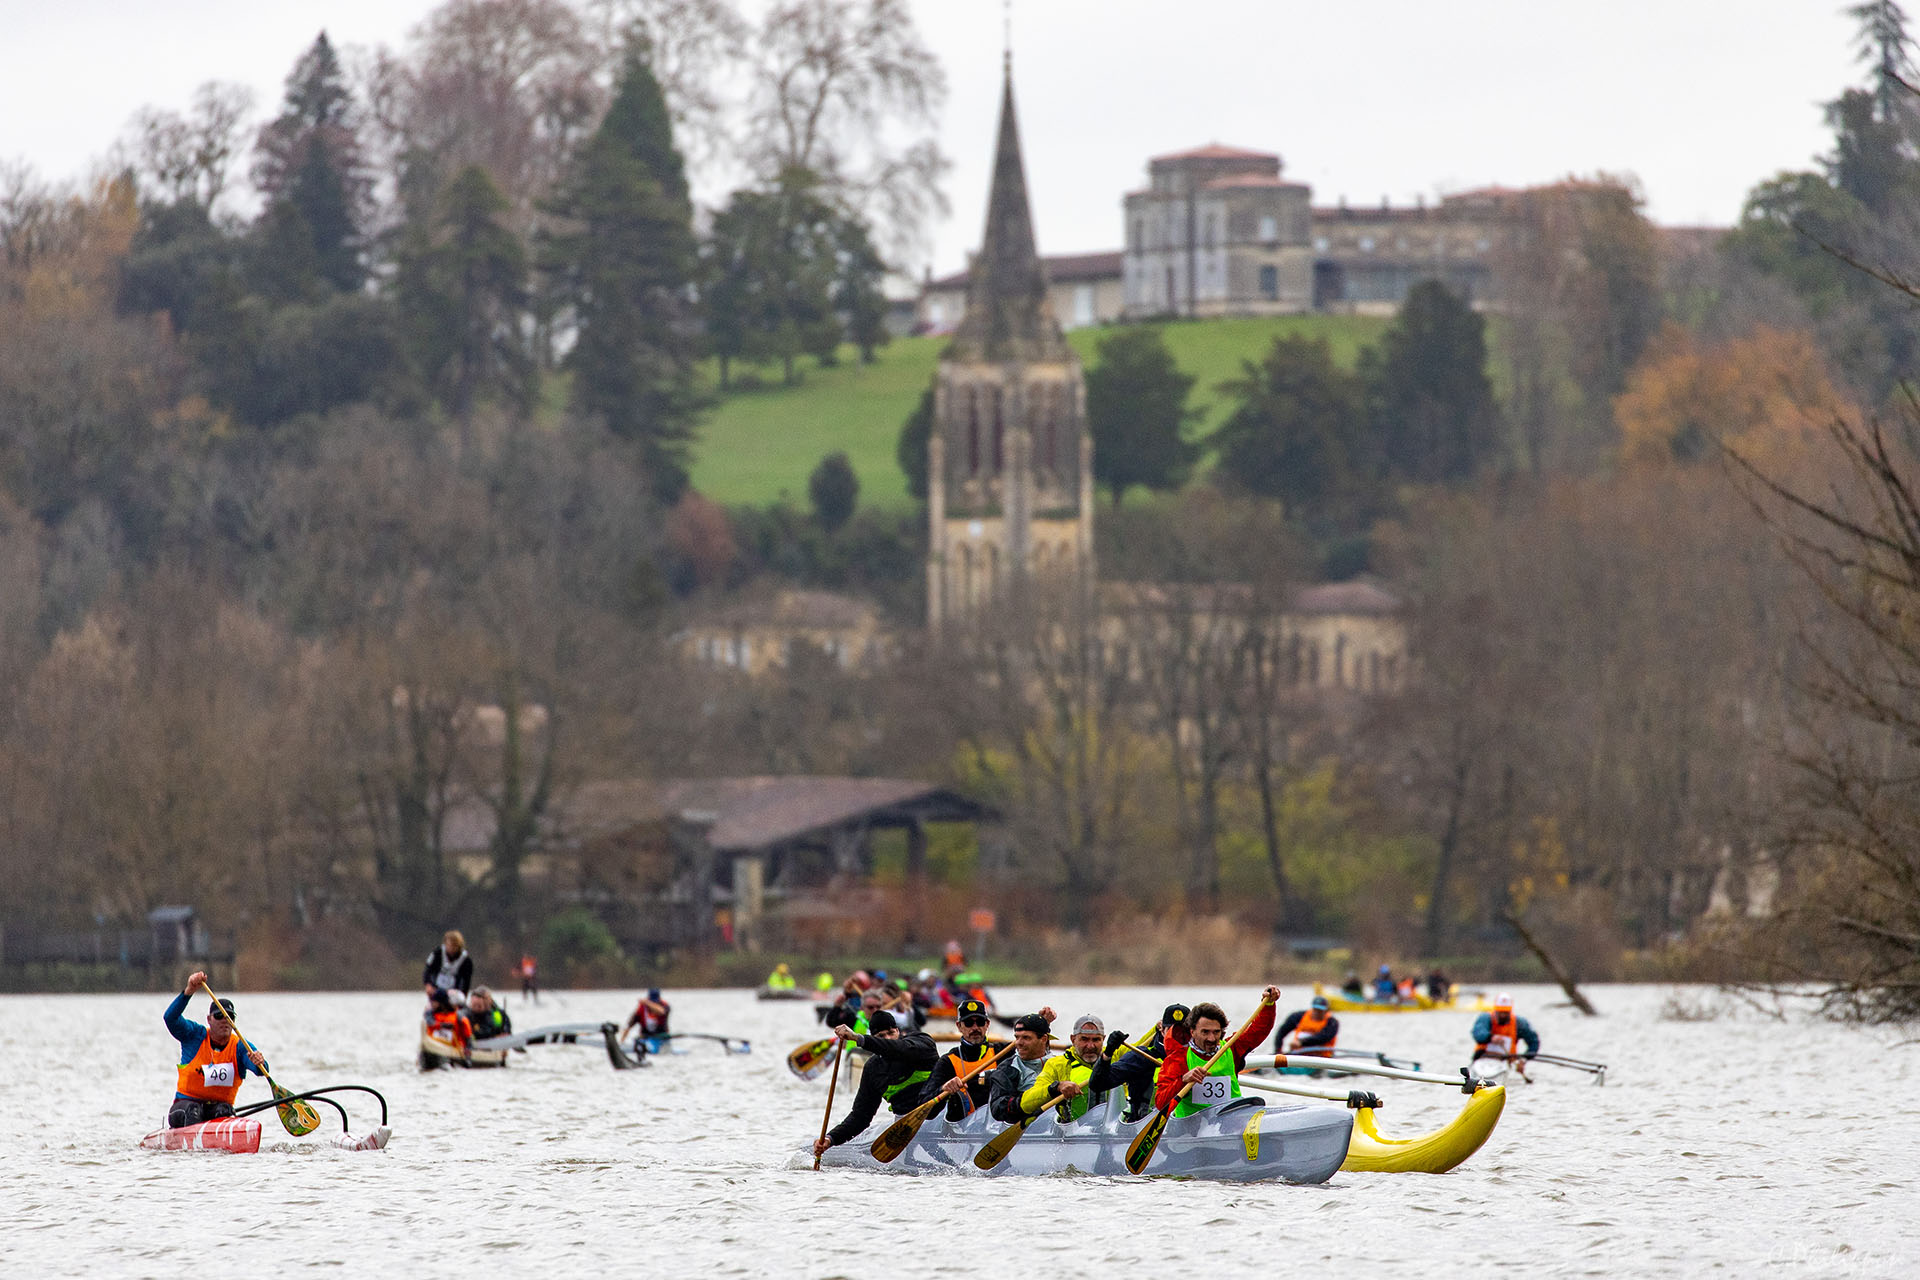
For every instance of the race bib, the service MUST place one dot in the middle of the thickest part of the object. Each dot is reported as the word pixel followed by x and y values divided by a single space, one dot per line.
pixel 1212 1091
pixel 219 1075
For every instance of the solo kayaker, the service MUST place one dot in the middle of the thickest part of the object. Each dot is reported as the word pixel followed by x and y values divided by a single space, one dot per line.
pixel 212 1060
pixel 449 967
pixel 486 1016
pixel 896 1074
pixel 1082 1073
pixel 649 1018
pixel 1191 1045
pixel 781 979
pixel 960 1072
pixel 529 978
pixel 1499 1034
pixel 1010 1081
pixel 1308 1029
pixel 1137 1066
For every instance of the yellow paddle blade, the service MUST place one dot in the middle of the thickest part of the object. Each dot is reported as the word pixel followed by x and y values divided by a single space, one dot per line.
pixel 1146 1142
pixel 809 1060
pixel 996 1150
pixel 298 1118
pixel 890 1144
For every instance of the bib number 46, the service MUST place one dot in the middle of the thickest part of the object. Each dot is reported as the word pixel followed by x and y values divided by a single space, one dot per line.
pixel 218 1075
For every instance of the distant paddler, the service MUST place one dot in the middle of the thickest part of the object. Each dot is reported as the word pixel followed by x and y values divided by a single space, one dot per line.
pixel 1500 1033
pixel 529 978
pixel 896 1074
pixel 1306 1030
pixel 649 1020
pixel 961 1072
pixel 448 1021
pixel 1192 1043
pixel 485 1015
pixel 212 1060
pixel 1136 1065
pixel 1007 1087
pixel 449 968
pixel 781 979
pixel 823 983
pixel 1385 989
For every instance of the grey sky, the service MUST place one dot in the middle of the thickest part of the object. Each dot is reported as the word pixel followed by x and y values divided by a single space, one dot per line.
pixel 1366 98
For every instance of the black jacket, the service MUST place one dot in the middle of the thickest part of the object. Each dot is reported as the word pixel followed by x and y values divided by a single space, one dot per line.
pixel 494 1022
pixel 978 1084
pixel 892 1062
pixel 1004 1089
pixel 461 969
pixel 1137 1070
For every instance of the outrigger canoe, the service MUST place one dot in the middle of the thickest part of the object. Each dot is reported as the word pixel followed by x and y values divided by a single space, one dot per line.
pixel 1245 1140
pixel 440 1051
pixel 240 1134
pixel 1419 1003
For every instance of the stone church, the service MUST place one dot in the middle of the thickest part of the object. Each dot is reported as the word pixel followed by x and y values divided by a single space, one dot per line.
pixel 1010 460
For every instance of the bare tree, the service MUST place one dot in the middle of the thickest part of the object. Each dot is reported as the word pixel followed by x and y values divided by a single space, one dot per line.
pixel 696 49
pixel 190 156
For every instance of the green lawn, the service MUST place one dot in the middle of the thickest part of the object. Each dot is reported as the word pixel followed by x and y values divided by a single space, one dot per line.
pixel 761 443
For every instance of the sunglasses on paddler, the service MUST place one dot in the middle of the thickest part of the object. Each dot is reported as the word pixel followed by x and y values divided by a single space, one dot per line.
pixel 973 1022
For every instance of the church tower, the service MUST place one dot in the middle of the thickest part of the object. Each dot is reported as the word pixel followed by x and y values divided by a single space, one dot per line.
pixel 1009 462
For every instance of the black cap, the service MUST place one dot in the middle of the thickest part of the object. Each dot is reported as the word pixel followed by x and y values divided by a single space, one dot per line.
pixel 1174 1013
pixel 880 1020
pixel 225 1004
pixel 440 999
pixel 1033 1022
pixel 970 1009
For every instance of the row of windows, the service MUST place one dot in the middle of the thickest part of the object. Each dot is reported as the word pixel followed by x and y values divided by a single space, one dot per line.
pixel 983 416
pixel 1172 232
pixel 738 651
pixel 1438 246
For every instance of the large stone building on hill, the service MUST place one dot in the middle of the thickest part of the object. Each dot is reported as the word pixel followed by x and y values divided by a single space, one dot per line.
pixel 1010 461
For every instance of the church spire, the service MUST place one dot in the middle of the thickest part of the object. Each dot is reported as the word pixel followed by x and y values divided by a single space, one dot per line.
pixel 1008 315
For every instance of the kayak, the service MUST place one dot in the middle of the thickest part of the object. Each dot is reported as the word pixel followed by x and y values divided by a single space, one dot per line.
pixel 1436 1152
pixel 436 1051
pixel 235 1134
pixel 1245 1140
pixel 565 1033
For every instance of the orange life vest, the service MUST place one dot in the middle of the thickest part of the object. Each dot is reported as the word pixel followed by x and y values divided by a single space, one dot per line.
pixel 458 1030
pixel 962 1068
pixel 1311 1022
pixel 212 1075
pixel 1406 989
pixel 1505 1040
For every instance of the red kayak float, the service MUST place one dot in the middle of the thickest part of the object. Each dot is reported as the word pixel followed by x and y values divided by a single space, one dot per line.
pixel 237 1135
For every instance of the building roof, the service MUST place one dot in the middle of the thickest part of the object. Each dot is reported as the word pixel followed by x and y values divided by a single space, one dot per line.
pixel 1008 317
pixel 1246 180
pixel 1216 151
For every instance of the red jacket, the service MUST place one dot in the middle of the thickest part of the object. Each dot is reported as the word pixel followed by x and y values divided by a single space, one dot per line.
pixel 1174 1065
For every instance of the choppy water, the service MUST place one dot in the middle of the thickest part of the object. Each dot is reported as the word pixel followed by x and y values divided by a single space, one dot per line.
pixel 1725 1146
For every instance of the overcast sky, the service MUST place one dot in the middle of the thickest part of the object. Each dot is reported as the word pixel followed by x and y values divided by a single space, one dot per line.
pixel 1362 98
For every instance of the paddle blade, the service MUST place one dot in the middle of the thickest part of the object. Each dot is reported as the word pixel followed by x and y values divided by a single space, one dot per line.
pixel 996 1150
pixel 1146 1142
pixel 888 1146
pixel 809 1060
pixel 298 1118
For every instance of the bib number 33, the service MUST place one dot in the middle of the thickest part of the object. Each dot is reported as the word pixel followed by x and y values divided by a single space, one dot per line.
pixel 1212 1091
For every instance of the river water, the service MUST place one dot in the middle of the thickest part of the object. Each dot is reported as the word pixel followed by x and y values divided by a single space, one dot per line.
pixel 1715 1147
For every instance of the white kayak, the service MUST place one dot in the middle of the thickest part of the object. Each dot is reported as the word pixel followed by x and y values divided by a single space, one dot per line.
pixel 1245 1140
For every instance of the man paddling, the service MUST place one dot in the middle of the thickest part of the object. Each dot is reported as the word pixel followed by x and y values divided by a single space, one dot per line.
pixel 896 1074
pixel 212 1060
pixel 486 1016
pixel 1308 1029
pixel 1137 1066
pixel 649 1017
pixel 1082 1074
pixel 1191 1046
pixel 1499 1034
pixel 1015 1075
pixel 449 968
pixel 960 1072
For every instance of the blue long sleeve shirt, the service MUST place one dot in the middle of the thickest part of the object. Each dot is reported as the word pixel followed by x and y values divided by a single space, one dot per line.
pixel 190 1034
pixel 1483 1032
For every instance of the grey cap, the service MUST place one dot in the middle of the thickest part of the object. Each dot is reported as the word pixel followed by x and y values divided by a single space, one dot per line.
pixel 1088 1022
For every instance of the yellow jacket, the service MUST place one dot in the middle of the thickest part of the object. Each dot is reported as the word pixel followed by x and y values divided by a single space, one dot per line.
pixel 1059 1069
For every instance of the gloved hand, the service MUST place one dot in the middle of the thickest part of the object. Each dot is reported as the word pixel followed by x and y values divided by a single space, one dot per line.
pixel 1114 1040
pixel 1359 1098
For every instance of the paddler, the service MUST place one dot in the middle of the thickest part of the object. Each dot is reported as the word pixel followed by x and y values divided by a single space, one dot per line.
pixel 212 1060
pixel 1136 1066
pixel 1308 1029
pixel 529 978
pixel 444 1015
pixel 823 983
pixel 1384 987
pixel 781 979
pixel 449 967
pixel 1499 1034
pixel 486 1016
pixel 959 1073
pixel 1191 1045
pixel 1082 1073
pixel 897 1074
pixel 1007 1087
pixel 649 1017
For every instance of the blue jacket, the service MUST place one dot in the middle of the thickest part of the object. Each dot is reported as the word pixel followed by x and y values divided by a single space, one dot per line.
pixel 1483 1032
pixel 190 1033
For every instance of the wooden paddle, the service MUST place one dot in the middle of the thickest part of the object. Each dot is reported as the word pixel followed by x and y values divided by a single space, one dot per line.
pixel 297 1117
pixel 1147 1141
pixel 996 1150
pixel 832 1084
pixel 809 1059
pixel 898 1134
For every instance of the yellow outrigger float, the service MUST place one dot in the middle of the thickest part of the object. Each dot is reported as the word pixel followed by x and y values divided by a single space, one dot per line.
pixel 1444 1148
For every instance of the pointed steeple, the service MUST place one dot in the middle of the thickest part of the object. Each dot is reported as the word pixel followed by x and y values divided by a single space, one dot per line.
pixel 1009 317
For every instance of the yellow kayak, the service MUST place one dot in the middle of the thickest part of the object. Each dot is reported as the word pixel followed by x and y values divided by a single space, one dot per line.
pixel 1420 1004
pixel 1436 1152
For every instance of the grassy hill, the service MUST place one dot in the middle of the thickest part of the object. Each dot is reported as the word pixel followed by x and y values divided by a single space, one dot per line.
pixel 763 441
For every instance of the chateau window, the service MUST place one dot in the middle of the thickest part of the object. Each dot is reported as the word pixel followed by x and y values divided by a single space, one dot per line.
pixel 1139 234
pixel 1212 223
pixel 1366 244
pixel 1083 304
pixel 1313 664
pixel 1320 244
pixel 1270 282
pixel 1269 229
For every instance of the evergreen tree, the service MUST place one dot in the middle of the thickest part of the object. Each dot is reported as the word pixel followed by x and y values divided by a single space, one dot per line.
pixel 623 263
pixel 858 297
pixel 1137 411
pixel 1299 435
pixel 283 266
pixel 309 156
pixel 916 434
pixel 774 261
pixel 1429 396
pixel 834 491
